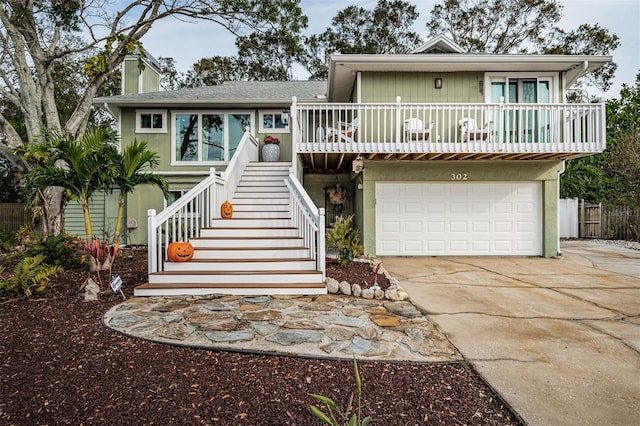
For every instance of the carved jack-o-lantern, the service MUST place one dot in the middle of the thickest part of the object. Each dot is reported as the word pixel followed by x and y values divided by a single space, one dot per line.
pixel 226 210
pixel 180 251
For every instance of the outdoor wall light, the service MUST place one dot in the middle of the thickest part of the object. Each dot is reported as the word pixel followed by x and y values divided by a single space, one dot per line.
pixel 285 117
pixel 437 83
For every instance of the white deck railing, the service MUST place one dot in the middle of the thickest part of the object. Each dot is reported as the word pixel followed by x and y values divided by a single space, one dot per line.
pixel 309 220
pixel 195 210
pixel 511 128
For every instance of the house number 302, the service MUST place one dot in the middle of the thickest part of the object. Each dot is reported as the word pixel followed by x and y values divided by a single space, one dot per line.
pixel 458 176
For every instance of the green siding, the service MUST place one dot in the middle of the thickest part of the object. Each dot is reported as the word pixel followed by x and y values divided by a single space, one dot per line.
pixel 147 197
pixel 489 171
pixel 414 87
pixel 131 78
pixel 103 209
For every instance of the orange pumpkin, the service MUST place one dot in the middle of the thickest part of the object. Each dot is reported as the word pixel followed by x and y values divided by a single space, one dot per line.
pixel 226 210
pixel 180 251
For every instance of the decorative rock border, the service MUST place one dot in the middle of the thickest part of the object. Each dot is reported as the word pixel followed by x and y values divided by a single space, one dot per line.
pixel 393 293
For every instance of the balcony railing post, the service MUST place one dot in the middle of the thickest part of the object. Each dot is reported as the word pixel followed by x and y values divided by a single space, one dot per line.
pixel 398 119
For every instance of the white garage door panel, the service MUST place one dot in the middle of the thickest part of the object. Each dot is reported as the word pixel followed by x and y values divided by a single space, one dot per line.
pixel 459 218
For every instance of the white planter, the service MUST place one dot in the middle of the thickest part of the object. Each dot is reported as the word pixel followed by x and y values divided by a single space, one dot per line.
pixel 270 152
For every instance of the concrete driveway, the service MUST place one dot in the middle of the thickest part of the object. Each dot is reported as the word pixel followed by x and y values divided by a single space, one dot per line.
pixel 559 339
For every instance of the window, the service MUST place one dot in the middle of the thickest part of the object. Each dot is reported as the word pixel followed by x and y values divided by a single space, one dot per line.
pixel 208 137
pixel 151 121
pixel 274 122
pixel 523 123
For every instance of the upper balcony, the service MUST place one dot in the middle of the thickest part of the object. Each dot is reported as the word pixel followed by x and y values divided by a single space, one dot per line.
pixel 328 136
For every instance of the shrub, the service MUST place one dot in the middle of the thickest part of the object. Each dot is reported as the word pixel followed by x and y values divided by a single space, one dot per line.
pixel 30 274
pixel 7 241
pixel 59 250
pixel 344 239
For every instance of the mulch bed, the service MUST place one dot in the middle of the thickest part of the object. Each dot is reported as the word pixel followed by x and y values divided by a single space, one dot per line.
pixel 59 365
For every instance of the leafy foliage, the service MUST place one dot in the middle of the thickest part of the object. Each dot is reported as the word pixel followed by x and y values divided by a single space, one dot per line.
pixel 495 26
pixel 521 26
pixel 89 166
pixel 60 250
pixel 587 40
pixel 10 187
pixel 336 416
pixel 388 28
pixel 344 239
pixel 611 177
pixel 30 275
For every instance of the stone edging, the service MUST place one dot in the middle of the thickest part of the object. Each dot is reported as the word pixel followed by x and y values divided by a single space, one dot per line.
pixel 394 292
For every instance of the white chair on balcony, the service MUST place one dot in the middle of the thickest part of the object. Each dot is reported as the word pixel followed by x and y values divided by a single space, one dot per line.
pixel 470 131
pixel 414 130
pixel 346 132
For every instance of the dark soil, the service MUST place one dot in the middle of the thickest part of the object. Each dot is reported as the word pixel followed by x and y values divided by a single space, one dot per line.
pixel 59 365
pixel 360 273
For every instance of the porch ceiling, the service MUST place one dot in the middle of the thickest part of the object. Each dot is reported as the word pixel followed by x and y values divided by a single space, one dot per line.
pixel 330 163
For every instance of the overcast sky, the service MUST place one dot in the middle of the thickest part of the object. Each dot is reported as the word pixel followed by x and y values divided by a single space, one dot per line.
pixel 188 42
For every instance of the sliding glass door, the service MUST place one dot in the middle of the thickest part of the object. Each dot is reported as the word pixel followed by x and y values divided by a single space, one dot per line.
pixel 525 119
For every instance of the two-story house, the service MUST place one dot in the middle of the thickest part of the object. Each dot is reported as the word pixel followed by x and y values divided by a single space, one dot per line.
pixel 436 153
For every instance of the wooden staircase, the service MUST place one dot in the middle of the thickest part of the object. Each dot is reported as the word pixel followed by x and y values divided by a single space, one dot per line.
pixel 257 252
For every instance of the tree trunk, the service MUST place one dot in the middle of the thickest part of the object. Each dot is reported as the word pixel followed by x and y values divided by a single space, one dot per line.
pixel 53 214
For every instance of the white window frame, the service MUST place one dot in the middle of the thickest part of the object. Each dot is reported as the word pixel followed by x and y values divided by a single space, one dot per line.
pixel 503 77
pixel 200 113
pixel 141 112
pixel 272 112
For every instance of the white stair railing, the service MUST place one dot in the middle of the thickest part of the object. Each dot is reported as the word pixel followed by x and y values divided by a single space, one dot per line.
pixel 197 208
pixel 309 220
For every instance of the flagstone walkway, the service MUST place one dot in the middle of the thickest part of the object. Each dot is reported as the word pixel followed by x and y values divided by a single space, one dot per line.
pixel 331 326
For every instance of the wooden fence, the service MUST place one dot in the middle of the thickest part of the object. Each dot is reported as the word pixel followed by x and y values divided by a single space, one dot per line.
pixel 13 216
pixel 608 222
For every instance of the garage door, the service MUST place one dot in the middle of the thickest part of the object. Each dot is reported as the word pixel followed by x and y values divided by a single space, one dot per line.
pixel 458 218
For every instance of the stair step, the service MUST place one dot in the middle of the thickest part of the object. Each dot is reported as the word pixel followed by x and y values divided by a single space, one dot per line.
pixel 219 265
pixel 263 182
pixel 260 195
pixel 250 223
pixel 247 207
pixel 256 242
pixel 248 232
pixel 241 289
pixel 282 200
pixel 251 253
pixel 271 177
pixel 261 215
pixel 243 190
pixel 236 277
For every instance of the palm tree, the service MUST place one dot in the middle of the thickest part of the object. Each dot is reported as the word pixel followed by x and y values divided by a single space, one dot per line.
pixel 81 167
pixel 131 173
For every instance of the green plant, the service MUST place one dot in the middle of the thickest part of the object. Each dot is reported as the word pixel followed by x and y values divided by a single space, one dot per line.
pixel 60 250
pixel 30 274
pixel 7 241
pixel 336 416
pixel 344 239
